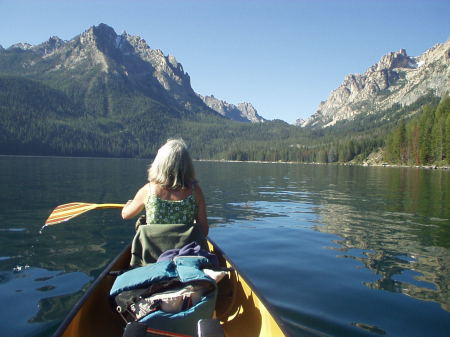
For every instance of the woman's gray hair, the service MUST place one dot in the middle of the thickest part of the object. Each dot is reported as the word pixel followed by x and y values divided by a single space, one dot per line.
pixel 172 167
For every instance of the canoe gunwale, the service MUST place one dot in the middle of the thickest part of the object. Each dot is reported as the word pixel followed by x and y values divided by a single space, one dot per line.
pixel 255 290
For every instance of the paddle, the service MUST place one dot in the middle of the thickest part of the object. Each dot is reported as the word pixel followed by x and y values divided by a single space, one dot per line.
pixel 71 210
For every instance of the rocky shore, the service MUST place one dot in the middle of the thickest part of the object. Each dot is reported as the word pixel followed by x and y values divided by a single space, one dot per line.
pixel 365 163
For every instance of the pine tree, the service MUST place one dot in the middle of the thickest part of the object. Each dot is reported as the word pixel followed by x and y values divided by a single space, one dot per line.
pixel 447 139
pixel 426 123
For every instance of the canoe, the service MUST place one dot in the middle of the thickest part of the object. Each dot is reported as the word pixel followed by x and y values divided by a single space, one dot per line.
pixel 242 312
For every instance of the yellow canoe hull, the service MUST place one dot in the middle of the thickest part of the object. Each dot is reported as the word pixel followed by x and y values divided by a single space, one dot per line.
pixel 241 311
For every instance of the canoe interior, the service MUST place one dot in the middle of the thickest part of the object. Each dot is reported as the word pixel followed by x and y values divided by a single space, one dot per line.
pixel 241 311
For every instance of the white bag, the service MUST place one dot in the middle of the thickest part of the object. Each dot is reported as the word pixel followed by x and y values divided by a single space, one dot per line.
pixel 172 301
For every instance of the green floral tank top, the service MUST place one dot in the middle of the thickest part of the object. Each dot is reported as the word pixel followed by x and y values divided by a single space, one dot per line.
pixel 159 211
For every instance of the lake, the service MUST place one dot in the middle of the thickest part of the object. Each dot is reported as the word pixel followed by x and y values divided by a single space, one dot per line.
pixel 337 250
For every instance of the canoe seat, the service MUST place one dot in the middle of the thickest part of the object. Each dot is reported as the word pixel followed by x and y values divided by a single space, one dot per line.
pixel 150 241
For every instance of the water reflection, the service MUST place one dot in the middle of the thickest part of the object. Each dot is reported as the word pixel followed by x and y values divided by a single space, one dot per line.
pixel 395 222
pixel 405 247
pixel 365 228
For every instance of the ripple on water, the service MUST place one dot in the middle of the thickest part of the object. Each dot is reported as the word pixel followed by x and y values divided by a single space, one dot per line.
pixel 370 328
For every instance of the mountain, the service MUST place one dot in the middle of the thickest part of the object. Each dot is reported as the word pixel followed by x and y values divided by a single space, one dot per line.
pixel 243 112
pixel 42 49
pixel 104 94
pixel 396 81
pixel 100 60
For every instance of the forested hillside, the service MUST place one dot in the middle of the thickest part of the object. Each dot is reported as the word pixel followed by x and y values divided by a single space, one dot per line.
pixel 423 140
pixel 39 120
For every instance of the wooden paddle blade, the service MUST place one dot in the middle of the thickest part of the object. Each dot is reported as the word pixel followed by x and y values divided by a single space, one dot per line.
pixel 71 210
pixel 68 211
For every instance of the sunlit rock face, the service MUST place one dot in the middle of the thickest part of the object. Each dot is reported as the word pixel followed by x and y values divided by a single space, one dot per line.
pixel 99 57
pixel 243 112
pixel 396 79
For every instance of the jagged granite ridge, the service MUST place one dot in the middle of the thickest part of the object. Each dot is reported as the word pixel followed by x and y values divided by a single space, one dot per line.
pixel 396 79
pixel 100 55
pixel 243 112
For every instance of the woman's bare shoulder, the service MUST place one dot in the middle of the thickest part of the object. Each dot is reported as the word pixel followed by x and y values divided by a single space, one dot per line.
pixel 144 191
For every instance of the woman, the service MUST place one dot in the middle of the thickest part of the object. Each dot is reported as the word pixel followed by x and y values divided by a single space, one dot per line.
pixel 172 195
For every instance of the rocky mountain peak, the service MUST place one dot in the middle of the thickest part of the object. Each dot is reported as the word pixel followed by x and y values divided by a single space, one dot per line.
pixel 21 46
pixel 100 57
pixel 243 112
pixel 394 60
pixel 135 41
pixel 49 46
pixel 167 65
pixel 249 111
pixel 102 37
pixel 396 79
pixel 102 31
pixel 107 46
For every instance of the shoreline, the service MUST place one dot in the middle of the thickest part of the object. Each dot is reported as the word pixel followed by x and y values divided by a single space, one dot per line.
pixel 425 167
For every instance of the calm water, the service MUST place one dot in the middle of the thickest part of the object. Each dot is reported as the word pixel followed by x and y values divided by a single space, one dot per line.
pixel 342 251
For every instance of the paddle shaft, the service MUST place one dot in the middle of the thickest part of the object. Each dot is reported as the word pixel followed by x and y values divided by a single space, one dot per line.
pixel 111 206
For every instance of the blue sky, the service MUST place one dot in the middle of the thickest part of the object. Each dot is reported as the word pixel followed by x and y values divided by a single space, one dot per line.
pixel 282 56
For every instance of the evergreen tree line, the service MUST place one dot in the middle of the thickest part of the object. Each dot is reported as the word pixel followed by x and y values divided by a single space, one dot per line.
pixel 423 140
pixel 339 151
pixel 36 119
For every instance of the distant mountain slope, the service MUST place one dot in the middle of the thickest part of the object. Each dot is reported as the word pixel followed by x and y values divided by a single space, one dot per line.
pixel 36 119
pixel 396 80
pixel 99 65
pixel 40 120
pixel 243 112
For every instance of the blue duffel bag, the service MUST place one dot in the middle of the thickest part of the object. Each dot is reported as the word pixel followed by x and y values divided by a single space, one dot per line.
pixel 167 297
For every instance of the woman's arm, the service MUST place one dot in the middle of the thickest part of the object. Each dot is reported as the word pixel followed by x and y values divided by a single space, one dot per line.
pixel 201 218
pixel 135 206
